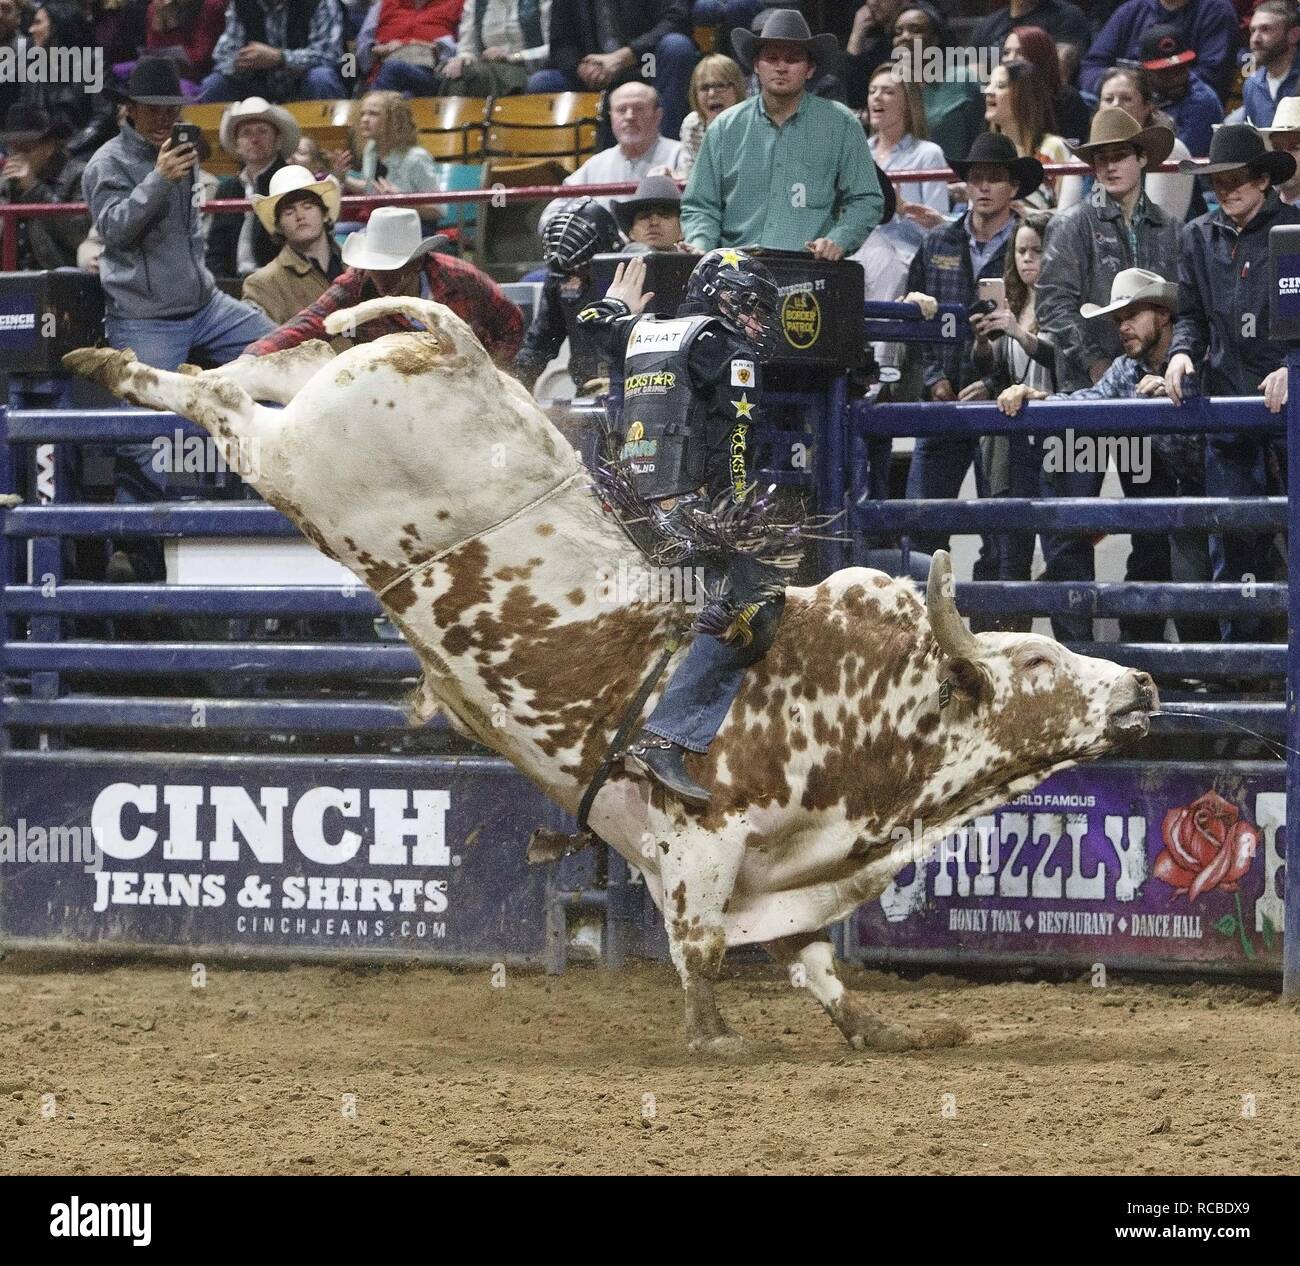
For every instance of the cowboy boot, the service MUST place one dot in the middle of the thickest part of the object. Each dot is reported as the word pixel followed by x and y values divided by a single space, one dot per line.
pixel 661 759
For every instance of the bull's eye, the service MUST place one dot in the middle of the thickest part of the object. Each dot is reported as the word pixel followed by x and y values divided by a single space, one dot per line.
pixel 1035 661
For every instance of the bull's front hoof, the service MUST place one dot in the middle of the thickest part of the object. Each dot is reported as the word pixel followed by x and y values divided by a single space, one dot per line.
pixel 104 365
pixel 865 1030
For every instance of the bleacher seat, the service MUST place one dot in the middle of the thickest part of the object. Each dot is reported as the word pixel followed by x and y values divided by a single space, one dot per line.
pixel 544 125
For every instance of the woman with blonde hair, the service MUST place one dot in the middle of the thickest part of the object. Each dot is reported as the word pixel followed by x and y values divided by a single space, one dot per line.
pixel 392 159
pixel 1018 103
pixel 716 84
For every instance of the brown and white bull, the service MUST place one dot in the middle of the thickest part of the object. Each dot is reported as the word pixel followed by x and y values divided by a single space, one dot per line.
pixel 437 479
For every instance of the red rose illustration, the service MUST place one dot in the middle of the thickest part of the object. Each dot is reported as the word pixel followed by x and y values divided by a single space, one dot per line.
pixel 1206 847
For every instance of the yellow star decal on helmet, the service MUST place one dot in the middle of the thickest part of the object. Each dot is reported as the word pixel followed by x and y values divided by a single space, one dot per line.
pixel 730 257
pixel 744 406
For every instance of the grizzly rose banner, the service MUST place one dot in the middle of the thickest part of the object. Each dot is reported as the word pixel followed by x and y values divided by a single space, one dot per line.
pixel 1122 863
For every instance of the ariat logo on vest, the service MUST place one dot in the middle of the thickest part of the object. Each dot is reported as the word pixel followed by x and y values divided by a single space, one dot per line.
pixel 658 336
pixel 742 373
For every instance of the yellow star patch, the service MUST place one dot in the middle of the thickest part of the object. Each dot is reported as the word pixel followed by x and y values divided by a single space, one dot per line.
pixel 731 257
pixel 744 407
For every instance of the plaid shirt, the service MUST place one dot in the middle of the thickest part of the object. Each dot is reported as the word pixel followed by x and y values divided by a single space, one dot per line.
pixel 324 45
pixel 942 268
pixel 470 294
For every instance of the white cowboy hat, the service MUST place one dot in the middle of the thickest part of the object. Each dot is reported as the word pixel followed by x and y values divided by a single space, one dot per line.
pixel 295 179
pixel 390 239
pixel 1286 119
pixel 1135 285
pixel 259 108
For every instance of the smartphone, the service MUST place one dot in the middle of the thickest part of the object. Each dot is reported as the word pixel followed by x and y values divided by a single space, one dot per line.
pixel 185 134
pixel 994 288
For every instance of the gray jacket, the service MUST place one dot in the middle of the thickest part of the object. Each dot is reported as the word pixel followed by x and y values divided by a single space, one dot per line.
pixel 1086 246
pixel 152 266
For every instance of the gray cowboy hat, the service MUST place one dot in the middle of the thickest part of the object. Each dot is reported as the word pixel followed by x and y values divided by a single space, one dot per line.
pixel 153 81
pixel 1238 145
pixel 788 26
pixel 653 191
pixel 1135 285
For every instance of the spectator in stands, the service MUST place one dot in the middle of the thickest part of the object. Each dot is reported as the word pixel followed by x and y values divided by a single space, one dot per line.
pixel 598 44
pixel 1283 134
pixel 40 169
pixel 1018 104
pixel 1142 307
pixel 1129 88
pixel 954 107
pixel 13 39
pixel 300 214
pixel 651 218
pixel 121 26
pixel 403 44
pixel 1222 336
pixel 392 158
pixel 1009 349
pixel 725 15
pixel 1061 21
pixel 870 43
pixel 571 240
pixel 952 259
pixel 1274 36
pixel 1033 44
pixel 278 50
pixel 186 31
pixel 1208 26
pixel 501 43
pixel 1191 104
pixel 159 298
pixel 88 114
pixel 834 197
pixel 310 155
pixel 637 118
pixel 716 85
pixel 261 136
pixel 391 257
pixel 1114 228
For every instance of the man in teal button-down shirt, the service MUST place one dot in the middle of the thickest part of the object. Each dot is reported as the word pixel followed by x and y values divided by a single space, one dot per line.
pixel 785 169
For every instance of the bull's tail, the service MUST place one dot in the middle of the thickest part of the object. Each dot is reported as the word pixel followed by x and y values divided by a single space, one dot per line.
pixel 455 336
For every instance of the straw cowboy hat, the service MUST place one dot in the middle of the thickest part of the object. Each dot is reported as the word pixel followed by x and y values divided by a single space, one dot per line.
pixel 259 108
pixel 788 26
pixel 653 191
pixel 1285 119
pixel 295 179
pixel 1114 126
pixel 153 81
pixel 992 149
pixel 390 239
pixel 1239 145
pixel 1135 285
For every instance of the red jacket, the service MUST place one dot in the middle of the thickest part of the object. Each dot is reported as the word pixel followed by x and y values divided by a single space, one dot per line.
pixel 198 40
pixel 405 20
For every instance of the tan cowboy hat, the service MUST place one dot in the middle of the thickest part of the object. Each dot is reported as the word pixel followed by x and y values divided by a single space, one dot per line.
pixel 295 179
pixel 1113 126
pixel 1135 285
pixel 1285 119
pixel 390 239
pixel 259 108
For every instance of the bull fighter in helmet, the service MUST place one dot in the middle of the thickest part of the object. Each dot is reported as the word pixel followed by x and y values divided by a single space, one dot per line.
pixel 691 389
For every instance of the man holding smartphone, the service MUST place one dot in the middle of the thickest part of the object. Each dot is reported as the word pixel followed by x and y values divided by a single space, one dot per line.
pixel 159 298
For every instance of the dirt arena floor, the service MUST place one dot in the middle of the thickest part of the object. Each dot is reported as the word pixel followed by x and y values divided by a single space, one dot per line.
pixel 588 1073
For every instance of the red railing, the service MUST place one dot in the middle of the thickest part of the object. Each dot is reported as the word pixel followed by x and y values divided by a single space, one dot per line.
pixel 363 204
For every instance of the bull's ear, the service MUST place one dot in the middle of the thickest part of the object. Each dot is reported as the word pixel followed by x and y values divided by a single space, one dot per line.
pixel 967 678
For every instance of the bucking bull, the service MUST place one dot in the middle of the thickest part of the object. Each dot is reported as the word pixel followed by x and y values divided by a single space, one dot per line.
pixel 436 477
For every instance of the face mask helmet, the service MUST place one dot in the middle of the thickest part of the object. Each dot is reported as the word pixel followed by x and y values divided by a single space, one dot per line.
pixel 573 237
pixel 741 291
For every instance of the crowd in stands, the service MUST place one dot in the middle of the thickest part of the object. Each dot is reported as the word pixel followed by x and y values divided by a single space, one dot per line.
pixel 1120 282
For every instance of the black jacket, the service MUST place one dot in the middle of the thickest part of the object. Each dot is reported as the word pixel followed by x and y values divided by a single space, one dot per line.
pixel 1223 294
pixel 557 319
pixel 223 236
pixel 51 241
pixel 639 24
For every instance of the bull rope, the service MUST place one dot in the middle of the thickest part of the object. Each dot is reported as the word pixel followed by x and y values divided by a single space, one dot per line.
pixel 580 473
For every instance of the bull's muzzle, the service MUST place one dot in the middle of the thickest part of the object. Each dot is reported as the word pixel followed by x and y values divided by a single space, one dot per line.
pixel 1132 701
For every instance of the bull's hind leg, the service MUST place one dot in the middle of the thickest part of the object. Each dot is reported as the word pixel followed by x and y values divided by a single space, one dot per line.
pixel 277 376
pixel 698 870
pixel 811 962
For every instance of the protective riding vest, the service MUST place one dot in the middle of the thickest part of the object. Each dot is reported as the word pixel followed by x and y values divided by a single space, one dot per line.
pixel 664 419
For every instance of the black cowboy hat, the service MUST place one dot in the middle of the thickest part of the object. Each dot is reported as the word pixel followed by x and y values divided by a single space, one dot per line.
pixel 1238 145
pixel 153 81
pixel 26 124
pixel 653 191
pixel 992 149
pixel 788 26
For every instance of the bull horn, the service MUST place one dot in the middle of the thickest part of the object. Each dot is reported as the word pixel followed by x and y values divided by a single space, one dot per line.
pixel 955 640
